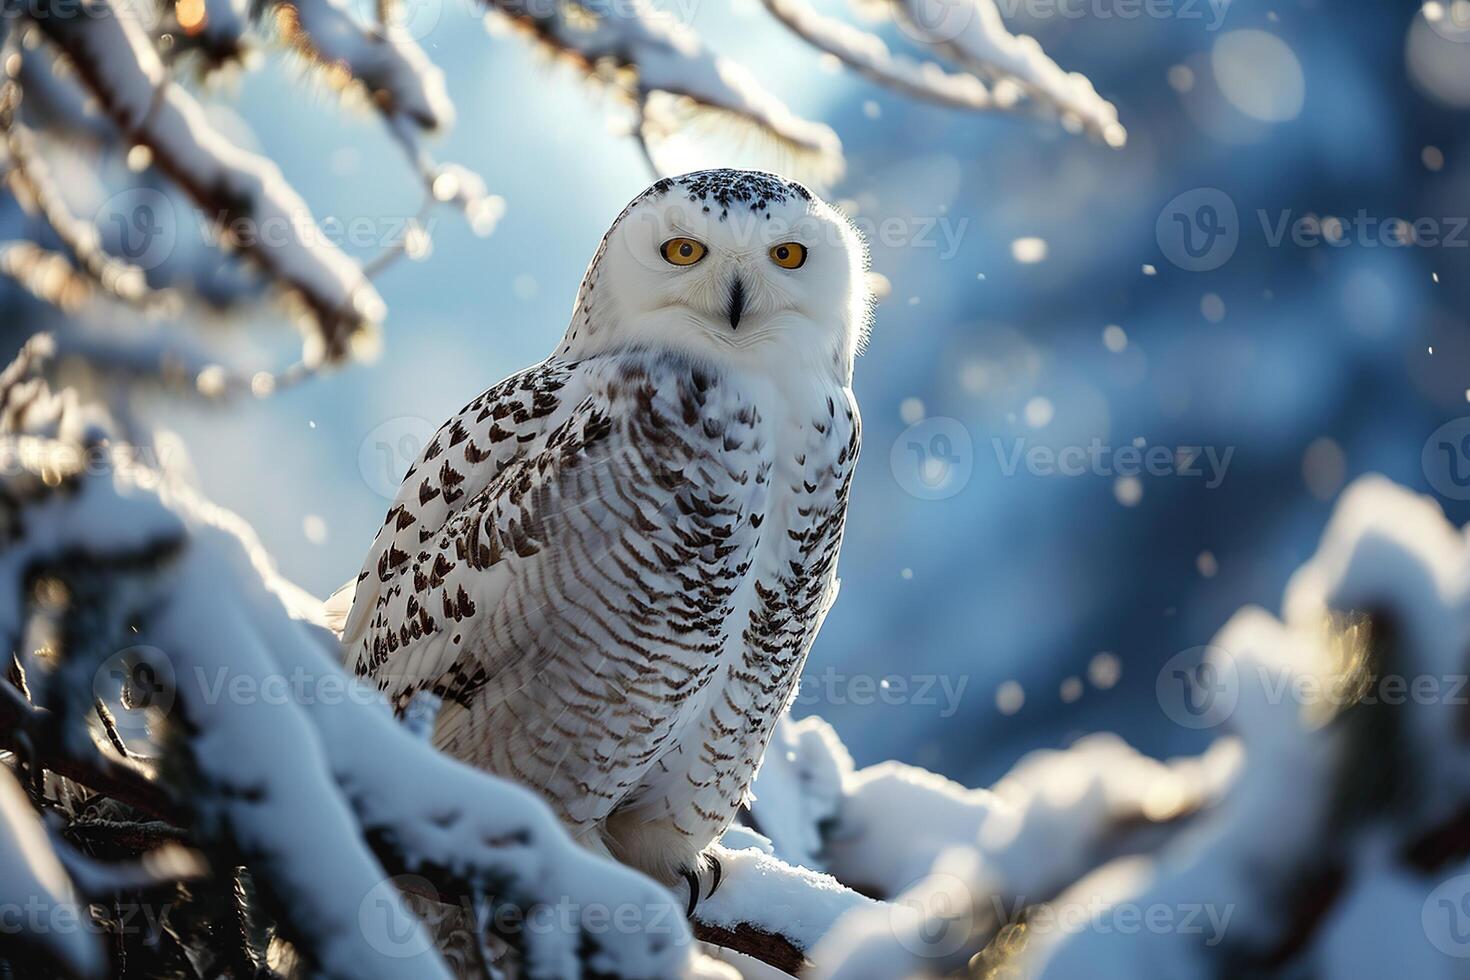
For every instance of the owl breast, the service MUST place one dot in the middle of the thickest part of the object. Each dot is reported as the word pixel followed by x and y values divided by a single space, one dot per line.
pixel 785 583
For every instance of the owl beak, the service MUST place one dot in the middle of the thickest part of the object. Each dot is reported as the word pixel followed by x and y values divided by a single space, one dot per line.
pixel 737 302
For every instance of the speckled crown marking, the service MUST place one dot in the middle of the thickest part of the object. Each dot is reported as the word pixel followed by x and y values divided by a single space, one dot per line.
pixel 755 190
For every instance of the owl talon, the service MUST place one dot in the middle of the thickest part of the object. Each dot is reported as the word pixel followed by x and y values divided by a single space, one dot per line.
pixel 692 880
pixel 715 876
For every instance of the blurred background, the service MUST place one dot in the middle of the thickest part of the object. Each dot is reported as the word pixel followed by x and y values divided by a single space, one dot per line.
pixel 1262 292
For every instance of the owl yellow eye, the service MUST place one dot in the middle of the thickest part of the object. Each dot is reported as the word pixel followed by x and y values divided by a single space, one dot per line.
pixel 682 251
pixel 789 255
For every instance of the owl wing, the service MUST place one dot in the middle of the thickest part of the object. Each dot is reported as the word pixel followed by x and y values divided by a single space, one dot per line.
pixel 436 620
pixel 463 457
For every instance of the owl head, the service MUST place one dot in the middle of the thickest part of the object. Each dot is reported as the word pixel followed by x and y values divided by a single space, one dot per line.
pixel 734 266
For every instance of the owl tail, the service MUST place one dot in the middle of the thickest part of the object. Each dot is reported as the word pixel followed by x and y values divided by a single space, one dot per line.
pixel 338 606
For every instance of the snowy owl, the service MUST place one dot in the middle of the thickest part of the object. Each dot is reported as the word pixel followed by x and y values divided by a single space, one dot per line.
pixel 611 565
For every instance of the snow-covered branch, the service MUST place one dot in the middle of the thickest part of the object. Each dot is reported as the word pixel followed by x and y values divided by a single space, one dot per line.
pixel 318 792
pixel 672 79
pixel 401 82
pixel 1309 836
pixel 998 71
pixel 31 182
pixel 870 56
pixel 242 193
pixel 395 74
